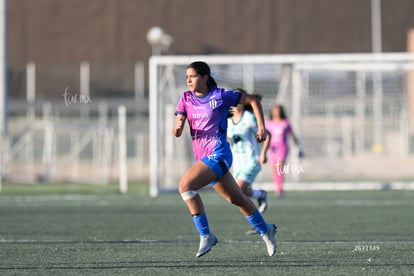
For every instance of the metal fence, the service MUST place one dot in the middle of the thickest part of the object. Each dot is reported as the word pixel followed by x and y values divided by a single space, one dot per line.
pixel 351 112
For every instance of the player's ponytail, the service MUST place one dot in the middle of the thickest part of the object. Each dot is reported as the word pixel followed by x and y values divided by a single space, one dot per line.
pixel 211 82
pixel 248 107
pixel 203 69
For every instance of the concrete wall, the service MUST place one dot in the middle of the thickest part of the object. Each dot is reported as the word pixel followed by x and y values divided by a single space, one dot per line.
pixel 114 31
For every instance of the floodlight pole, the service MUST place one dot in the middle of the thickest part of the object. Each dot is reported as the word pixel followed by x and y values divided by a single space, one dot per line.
pixel 159 41
pixel 3 67
pixel 3 80
pixel 377 81
pixel 376 33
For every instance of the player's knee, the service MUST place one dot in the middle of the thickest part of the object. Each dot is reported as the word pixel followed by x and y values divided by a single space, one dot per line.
pixel 184 186
pixel 188 194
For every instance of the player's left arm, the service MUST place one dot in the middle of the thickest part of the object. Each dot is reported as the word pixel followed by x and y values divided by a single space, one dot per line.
pixel 297 142
pixel 294 137
pixel 265 147
pixel 258 112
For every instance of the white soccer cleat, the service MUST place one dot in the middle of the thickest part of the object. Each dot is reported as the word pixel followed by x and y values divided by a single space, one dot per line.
pixel 270 240
pixel 206 243
pixel 262 201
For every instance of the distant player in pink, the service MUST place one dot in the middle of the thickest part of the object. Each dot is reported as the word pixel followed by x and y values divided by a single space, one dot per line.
pixel 280 128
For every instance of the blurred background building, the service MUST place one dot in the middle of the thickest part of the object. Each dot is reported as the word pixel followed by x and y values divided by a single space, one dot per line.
pixel 110 33
pixel 73 62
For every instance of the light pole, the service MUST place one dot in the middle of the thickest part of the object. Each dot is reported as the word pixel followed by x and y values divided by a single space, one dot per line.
pixel 376 37
pixel 159 40
pixel 376 40
pixel 3 68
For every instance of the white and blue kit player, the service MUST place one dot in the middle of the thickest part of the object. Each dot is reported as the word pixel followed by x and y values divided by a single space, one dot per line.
pixel 248 155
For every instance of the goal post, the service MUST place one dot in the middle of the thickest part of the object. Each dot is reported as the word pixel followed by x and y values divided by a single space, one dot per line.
pixel 341 105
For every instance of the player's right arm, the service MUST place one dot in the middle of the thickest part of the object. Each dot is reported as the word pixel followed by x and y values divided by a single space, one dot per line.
pixel 179 125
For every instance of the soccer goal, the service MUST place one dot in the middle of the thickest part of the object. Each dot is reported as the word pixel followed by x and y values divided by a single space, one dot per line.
pixel 342 106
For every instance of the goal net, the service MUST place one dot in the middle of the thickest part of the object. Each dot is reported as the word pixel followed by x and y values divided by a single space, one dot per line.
pixel 347 109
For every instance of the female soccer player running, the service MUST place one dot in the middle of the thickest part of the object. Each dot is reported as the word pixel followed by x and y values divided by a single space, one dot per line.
pixel 248 155
pixel 205 107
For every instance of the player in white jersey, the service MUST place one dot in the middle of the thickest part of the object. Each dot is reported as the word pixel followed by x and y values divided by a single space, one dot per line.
pixel 248 155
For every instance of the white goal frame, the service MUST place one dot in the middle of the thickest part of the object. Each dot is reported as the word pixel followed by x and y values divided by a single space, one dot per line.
pixel 297 63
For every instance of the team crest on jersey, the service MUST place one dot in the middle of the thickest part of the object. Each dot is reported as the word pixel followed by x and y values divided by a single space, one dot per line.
pixel 213 103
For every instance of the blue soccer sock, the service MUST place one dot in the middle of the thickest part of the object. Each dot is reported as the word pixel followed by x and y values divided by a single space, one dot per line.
pixel 201 223
pixel 256 220
pixel 257 193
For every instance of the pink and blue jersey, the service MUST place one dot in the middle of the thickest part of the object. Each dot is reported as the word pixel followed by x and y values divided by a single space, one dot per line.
pixel 207 118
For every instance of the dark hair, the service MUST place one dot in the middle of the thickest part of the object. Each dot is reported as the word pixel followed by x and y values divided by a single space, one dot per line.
pixel 282 113
pixel 203 69
pixel 248 107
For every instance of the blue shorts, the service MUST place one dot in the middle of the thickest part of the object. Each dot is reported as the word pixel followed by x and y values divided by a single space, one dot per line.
pixel 220 166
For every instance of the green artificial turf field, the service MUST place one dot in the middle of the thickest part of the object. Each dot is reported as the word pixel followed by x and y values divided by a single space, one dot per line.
pixel 93 231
